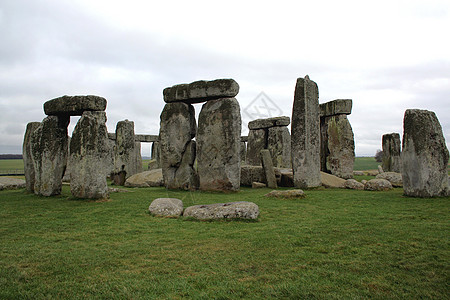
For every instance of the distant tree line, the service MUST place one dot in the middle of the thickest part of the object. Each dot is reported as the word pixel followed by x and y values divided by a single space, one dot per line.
pixel 11 156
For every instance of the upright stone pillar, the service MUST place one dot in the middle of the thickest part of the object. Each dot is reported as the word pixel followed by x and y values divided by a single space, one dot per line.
pixel 218 145
pixel 125 160
pixel 279 145
pixel 391 153
pixel 90 156
pixel 177 129
pixel 337 150
pixel 257 141
pixel 425 155
pixel 49 145
pixel 27 157
pixel 305 134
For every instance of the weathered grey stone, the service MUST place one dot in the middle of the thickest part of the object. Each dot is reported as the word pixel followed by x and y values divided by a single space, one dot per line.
pixel 394 178
pixel 269 122
pixel 425 155
pixel 27 157
pixel 287 194
pixel 279 145
pixel 218 145
pixel 89 156
pixel 391 153
pixel 49 149
pixel 232 210
pixel 250 174
pixel 201 91
pixel 364 182
pixel 244 138
pixel 372 172
pixel 7 183
pixel 166 207
pixel 268 169
pixel 305 134
pixel 353 184
pixel 178 128
pixel 126 162
pixel 337 150
pixel 331 181
pixel 285 177
pixel 137 157
pixel 74 105
pixel 336 107
pixel 257 141
pixel 258 185
pixel 358 173
pixel 377 185
pixel 380 169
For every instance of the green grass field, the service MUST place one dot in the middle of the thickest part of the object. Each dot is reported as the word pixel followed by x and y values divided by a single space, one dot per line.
pixel 338 244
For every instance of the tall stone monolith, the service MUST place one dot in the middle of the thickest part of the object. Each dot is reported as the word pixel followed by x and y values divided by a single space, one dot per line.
pixel 218 145
pixel 90 156
pixel 177 129
pixel 125 161
pixel 27 157
pixel 257 141
pixel 49 147
pixel 425 155
pixel 391 153
pixel 305 134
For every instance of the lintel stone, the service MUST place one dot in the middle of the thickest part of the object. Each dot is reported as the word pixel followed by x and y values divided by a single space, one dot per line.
pixel 269 122
pixel 201 91
pixel 336 107
pixel 74 105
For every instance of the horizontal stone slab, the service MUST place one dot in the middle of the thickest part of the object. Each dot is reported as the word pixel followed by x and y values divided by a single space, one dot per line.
pixel 269 122
pixel 143 138
pixel 74 105
pixel 232 210
pixel 201 91
pixel 336 107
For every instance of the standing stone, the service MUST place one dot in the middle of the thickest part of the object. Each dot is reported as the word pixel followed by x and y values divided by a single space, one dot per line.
pixel 425 155
pixel 125 161
pixel 305 139
pixel 279 145
pixel 266 160
pixel 49 145
pixel 243 152
pixel 138 156
pixel 27 157
pixel 391 153
pixel 218 145
pixel 337 146
pixel 89 156
pixel 178 150
pixel 257 141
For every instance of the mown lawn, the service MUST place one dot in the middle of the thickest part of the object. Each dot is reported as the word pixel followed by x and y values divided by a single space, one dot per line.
pixel 332 244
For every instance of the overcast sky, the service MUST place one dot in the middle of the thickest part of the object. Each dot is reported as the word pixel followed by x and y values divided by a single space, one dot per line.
pixel 385 55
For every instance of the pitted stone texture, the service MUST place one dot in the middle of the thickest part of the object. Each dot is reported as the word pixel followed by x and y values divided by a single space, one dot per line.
pixel 305 134
pixel 250 174
pixel 150 178
pixel 49 149
pixel 353 184
pixel 257 140
pixel 126 156
pixel 218 145
pixel 287 194
pixel 394 178
pixel 178 150
pixel 232 210
pixel 166 207
pixel 89 157
pixel 258 185
pixel 279 145
pixel 267 164
pixel 74 105
pixel 336 107
pixel 7 183
pixel 331 181
pixel 243 152
pixel 269 122
pixel 425 155
pixel 201 91
pixel 27 157
pixel 378 185
pixel 337 146
pixel 391 153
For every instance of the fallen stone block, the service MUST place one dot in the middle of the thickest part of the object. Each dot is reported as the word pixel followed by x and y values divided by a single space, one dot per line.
pixel 152 178
pixel 166 207
pixel 287 194
pixel 331 181
pixel 353 184
pixel 232 210
pixel 394 178
pixel 378 185
pixel 258 185
pixel 8 183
